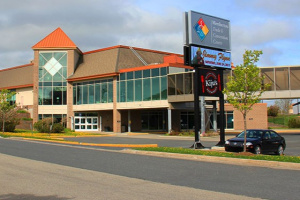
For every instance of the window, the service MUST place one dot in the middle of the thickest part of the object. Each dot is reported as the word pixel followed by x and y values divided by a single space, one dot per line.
pixel 52 78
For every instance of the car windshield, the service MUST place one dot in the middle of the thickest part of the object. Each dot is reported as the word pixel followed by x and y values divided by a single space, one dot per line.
pixel 251 134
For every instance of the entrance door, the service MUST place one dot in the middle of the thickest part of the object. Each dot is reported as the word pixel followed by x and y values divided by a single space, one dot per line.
pixel 86 123
pixel 153 120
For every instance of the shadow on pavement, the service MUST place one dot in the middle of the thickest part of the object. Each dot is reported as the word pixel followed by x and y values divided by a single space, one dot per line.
pixel 30 197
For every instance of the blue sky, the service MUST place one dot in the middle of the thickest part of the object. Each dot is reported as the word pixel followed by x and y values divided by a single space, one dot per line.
pixel 268 25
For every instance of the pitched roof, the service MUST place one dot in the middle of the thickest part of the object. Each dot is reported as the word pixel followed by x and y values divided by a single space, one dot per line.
pixel 56 39
pixel 109 61
pixel 17 77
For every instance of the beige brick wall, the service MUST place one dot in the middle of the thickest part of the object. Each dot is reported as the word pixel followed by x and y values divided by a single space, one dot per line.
pixel 256 118
pixel 35 86
pixel 116 112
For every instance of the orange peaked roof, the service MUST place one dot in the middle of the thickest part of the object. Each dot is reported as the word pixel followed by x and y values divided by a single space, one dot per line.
pixel 56 39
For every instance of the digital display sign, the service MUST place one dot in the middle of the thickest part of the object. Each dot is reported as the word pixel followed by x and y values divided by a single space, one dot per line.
pixel 208 57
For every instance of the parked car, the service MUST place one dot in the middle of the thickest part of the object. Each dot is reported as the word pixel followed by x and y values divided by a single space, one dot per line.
pixel 258 141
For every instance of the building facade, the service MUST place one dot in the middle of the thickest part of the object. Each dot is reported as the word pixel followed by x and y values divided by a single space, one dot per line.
pixel 117 89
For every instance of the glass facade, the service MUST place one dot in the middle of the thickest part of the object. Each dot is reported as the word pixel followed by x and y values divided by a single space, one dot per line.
pixel 187 121
pixel 153 120
pixel 52 78
pixel 143 85
pixel 180 84
pixel 58 118
pixel 93 92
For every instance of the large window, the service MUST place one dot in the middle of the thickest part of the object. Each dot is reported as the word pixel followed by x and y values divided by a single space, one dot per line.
pixel 180 84
pixel 93 92
pixel 144 85
pixel 52 78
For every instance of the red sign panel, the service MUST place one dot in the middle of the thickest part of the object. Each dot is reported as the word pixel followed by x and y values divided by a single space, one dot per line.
pixel 211 82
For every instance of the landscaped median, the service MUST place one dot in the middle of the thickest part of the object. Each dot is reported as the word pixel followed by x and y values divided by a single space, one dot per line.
pixel 291 159
pixel 59 138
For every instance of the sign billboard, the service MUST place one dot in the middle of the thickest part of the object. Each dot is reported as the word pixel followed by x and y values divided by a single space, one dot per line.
pixel 205 30
pixel 208 57
pixel 211 82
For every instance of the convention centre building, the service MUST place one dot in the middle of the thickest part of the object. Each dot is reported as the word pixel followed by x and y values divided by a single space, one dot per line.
pixel 118 89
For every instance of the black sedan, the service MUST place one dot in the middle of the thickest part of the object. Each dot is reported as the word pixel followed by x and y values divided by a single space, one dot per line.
pixel 258 141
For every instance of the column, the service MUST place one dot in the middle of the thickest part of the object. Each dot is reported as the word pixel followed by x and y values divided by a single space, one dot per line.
pixel 169 120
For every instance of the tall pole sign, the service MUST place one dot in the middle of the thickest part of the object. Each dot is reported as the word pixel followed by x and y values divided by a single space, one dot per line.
pixel 207 46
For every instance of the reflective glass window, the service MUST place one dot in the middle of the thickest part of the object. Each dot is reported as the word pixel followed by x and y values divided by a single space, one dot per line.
pixel 179 84
pixel 104 93
pixel 130 91
pixel 97 93
pixel 123 76
pixel 138 74
pixel 155 89
pixel 110 92
pixel 171 85
pixel 84 94
pixel 163 71
pixel 57 96
pixel 282 78
pixel 188 83
pixel 146 73
pixel 146 90
pixel 295 78
pixel 122 91
pixel 138 90
pixel 129 75
pixel 268 73
pixel 164 90
pixel 91 93
pixel 155 72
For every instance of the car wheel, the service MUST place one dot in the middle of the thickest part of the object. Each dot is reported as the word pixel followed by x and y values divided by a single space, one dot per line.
pixel 280 150
pixel 257 149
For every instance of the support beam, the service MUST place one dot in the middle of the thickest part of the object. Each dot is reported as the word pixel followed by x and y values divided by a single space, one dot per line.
pixel 202 105
pixel 169 120
pixel 197 144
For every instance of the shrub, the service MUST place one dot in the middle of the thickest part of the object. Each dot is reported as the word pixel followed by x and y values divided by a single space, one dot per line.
pixel 57 128
pixel 43 126
pixel 273 110
pixel 26 119
pixel 10 126
pixel 294 123
pixel 22 111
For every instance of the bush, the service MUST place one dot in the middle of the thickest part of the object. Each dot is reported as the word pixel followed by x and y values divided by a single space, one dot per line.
pixel 43 126
pixel 57 128
pixel 294 123
pixel 273 110
pixel 22 111
pixel 10 126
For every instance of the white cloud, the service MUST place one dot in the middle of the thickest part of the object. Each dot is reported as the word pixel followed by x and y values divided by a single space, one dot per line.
pixel 94 24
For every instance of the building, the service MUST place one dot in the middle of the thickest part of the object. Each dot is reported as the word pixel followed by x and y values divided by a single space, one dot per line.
pixel 117 89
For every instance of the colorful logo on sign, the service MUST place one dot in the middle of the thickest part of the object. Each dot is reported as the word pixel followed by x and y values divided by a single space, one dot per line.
pixel 201 29
pixel 211 83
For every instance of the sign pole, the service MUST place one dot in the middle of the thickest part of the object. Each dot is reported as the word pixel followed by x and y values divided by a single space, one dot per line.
pixel 222 124
pixel 197 144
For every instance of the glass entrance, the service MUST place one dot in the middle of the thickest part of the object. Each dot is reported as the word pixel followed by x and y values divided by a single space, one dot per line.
pixel 153 120
pixel 85 122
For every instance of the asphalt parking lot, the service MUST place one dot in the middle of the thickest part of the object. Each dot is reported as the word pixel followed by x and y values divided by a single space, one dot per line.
pixel 292 141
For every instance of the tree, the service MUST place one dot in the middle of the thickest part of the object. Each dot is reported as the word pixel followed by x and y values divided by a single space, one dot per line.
pixel 284 105
pixel 245 86
pixel 273 110
pixel 6 109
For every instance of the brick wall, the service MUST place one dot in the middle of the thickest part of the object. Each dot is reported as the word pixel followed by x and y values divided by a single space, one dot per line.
pixel 256 118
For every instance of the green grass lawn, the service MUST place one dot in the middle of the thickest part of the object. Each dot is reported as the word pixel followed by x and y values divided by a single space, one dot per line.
pixel 281 119
pixel 293 159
